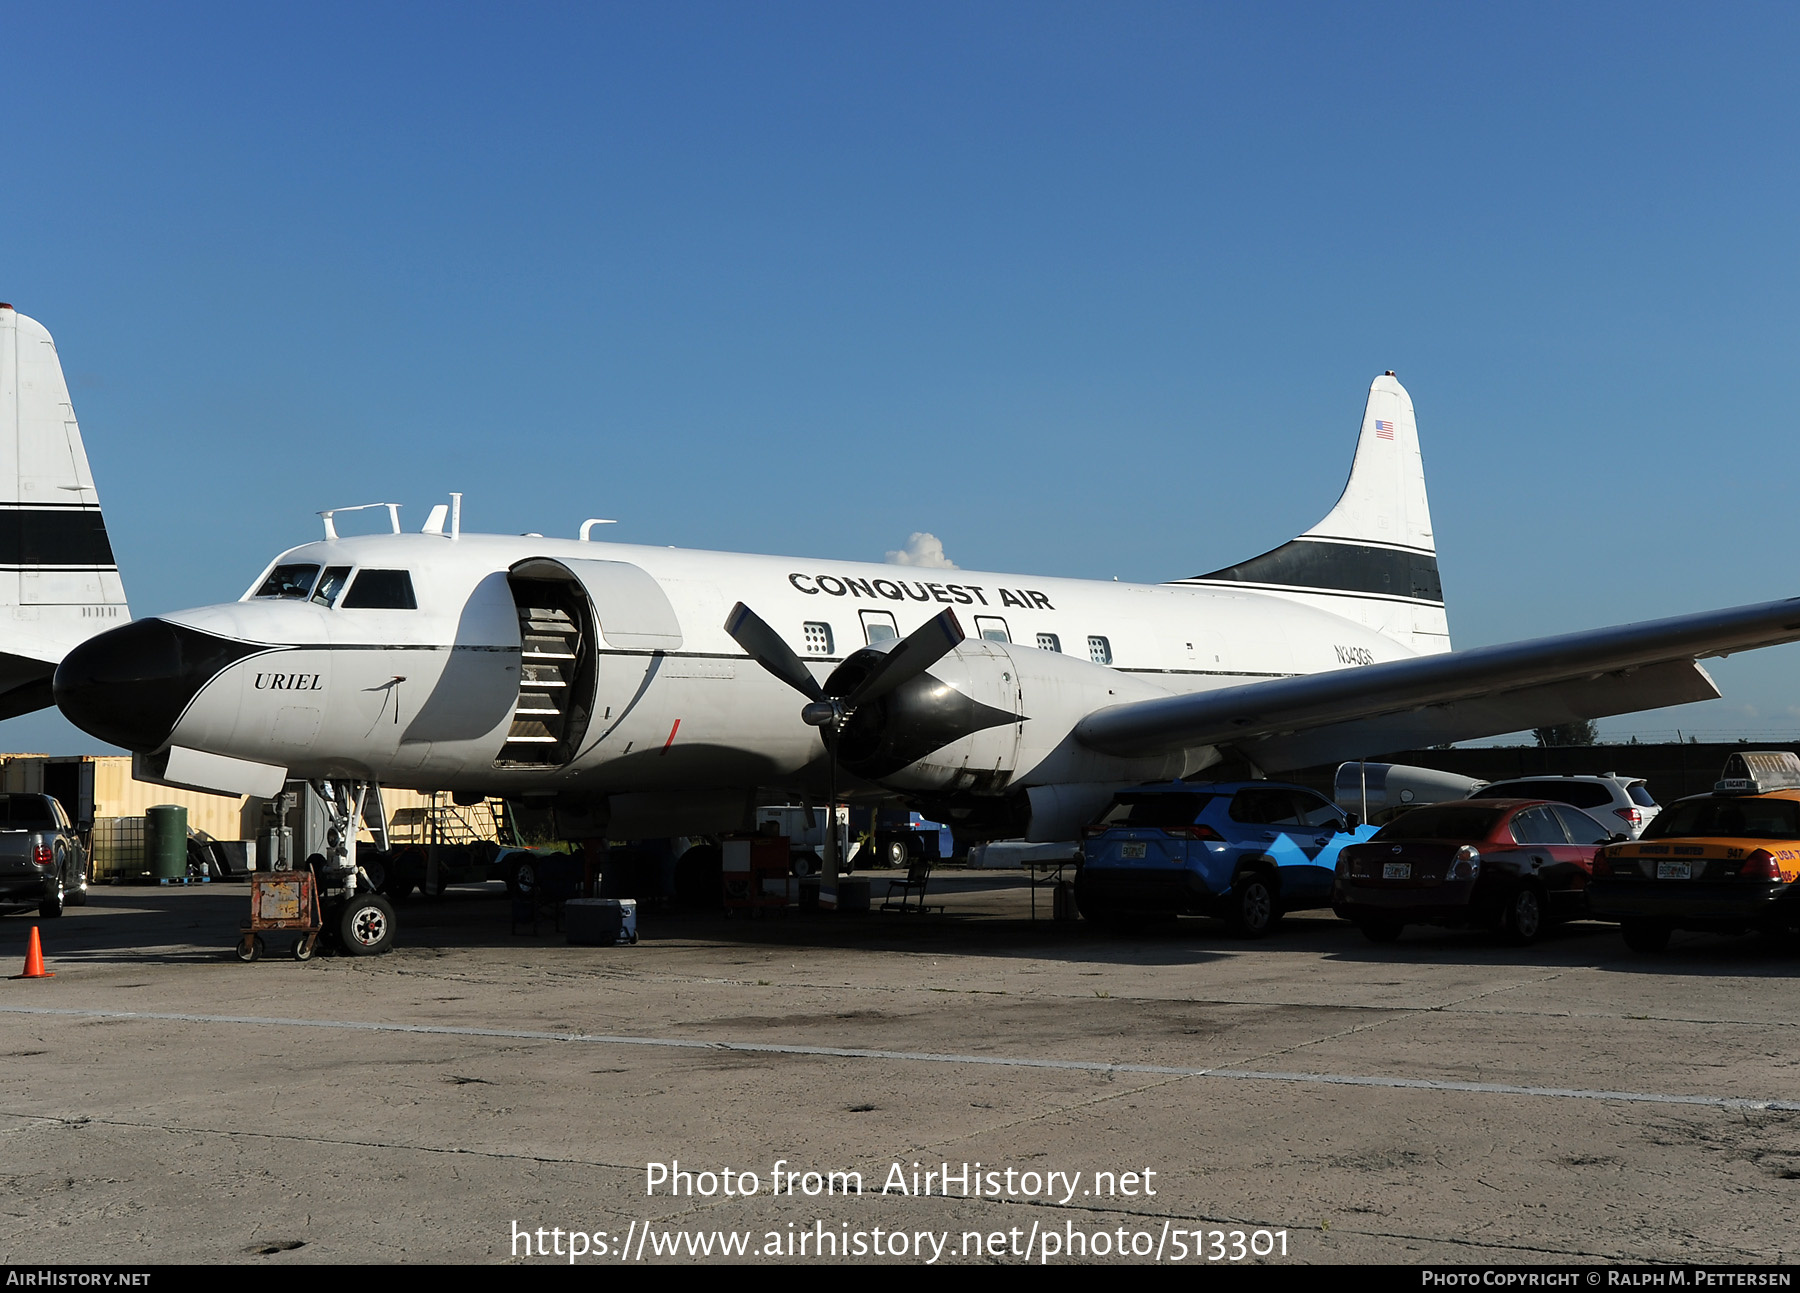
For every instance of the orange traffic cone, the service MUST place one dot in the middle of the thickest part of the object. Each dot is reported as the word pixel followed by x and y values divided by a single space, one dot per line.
pixel 34 960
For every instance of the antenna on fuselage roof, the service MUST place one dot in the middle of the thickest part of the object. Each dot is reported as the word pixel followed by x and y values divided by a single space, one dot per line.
pixel 434 523
pixel 331 525
pixel 587 526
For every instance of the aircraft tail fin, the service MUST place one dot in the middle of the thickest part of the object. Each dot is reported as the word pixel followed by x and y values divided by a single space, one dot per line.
pixel 59 582
pixel 1374 557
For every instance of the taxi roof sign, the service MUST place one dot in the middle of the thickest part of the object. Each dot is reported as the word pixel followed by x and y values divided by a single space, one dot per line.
pixel 1753 772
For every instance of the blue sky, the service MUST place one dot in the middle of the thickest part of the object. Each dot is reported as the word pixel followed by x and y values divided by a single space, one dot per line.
pixel 1088 290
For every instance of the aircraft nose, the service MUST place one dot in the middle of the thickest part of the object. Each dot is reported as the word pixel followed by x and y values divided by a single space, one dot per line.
pixel 131 685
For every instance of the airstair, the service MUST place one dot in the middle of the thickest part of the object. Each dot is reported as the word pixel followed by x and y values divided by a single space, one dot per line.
pixel 550 715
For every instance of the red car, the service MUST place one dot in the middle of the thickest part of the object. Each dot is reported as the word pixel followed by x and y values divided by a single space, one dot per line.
pixel 1509 864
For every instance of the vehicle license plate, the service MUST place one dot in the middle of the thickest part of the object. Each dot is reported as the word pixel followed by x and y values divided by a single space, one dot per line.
pixel 1674 871
pixel 1132 849
pixel 1396 870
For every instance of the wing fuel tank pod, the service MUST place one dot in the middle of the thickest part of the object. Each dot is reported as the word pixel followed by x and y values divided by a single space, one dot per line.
pixel 572 614
pixel 1374 789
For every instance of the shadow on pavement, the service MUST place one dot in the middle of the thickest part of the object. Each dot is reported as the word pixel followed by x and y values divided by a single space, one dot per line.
pixel 987 915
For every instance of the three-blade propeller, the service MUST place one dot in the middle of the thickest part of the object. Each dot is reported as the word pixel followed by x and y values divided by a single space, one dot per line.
pixel 914 654
pixel 826 709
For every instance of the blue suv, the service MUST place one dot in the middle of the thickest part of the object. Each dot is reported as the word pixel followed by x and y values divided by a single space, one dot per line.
pixel 1246 851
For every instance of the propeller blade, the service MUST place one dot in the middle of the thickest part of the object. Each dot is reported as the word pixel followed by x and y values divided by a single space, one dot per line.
pixel 767 648
pixel 917 652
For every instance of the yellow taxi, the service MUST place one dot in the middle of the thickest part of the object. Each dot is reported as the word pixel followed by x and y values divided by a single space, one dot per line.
pixel 1724 862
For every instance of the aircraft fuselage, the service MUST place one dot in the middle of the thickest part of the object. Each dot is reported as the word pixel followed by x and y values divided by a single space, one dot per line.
pixel 433 697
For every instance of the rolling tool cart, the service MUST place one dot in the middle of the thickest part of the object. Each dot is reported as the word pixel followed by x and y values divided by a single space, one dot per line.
pixel 281 900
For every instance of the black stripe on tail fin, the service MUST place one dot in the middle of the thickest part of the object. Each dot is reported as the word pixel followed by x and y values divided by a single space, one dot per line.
pixel 1359 568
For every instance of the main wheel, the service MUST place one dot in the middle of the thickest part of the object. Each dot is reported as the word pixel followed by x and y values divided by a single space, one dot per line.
pixel 1252 908
pixel 522 876
pixel 366 925
pixel 1645 935
pixel 1523 920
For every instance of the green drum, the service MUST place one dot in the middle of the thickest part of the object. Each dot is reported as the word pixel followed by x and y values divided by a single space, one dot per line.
pixel 165 841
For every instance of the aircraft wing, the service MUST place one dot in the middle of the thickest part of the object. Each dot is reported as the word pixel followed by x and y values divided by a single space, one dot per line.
pixel 1350 713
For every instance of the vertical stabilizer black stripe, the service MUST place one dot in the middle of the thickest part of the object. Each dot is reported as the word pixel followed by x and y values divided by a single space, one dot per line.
pixel 1341 567
pixel 54 536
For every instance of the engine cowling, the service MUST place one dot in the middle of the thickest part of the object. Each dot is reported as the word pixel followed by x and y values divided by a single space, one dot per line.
pixel 988 719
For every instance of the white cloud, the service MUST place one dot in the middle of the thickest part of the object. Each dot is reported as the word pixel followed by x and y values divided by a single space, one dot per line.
pixel 922 550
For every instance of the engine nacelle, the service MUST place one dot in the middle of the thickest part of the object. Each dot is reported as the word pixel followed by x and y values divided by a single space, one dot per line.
pixel 988 719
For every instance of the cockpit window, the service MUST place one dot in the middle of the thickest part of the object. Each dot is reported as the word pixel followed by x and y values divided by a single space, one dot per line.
pixel 381 590
pixel 331 584
pixel 289 581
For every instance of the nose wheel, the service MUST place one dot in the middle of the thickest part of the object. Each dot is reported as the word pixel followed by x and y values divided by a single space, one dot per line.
pixel 365 925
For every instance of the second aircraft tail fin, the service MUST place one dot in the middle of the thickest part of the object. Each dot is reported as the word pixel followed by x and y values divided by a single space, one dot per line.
pixel 59 582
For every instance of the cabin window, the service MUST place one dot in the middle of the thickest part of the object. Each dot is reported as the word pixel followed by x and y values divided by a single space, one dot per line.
pixel 288 581
pixel 381 590
pixel 993 628
pixel 331 583
pixel 818 637
pixel 878 626
pixel 1049 642
pixel 1100 650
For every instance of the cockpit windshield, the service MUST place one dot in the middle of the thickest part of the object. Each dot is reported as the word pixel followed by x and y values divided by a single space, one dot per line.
pixel 288 581
pixel 331 584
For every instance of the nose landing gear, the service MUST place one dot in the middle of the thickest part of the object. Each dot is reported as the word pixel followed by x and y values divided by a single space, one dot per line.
pixel 361 921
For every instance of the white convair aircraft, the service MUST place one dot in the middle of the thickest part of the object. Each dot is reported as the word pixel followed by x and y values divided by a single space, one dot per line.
pixel 657 691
